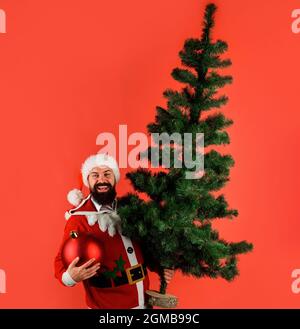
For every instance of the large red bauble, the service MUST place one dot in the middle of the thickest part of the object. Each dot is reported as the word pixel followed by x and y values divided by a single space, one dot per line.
pixel 83 245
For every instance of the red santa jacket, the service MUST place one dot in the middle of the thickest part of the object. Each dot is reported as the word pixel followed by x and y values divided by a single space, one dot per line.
pixel 103 292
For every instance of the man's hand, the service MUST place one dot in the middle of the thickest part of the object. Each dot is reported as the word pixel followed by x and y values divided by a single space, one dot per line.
pixel 83 272
pixel 168 274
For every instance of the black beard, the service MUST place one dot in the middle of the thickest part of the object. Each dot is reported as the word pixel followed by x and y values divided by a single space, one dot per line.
pixel 104 197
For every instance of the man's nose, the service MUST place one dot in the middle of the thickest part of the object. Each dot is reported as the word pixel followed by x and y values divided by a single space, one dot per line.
pixel 101 179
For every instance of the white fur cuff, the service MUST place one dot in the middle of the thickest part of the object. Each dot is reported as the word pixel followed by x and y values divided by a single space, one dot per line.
pixel 67 279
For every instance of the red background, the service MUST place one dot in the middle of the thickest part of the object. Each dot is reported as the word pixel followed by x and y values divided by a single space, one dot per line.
pixel 70 70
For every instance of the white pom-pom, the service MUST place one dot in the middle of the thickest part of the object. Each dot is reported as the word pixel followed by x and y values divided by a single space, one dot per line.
pixel 75 197
pixel 67 215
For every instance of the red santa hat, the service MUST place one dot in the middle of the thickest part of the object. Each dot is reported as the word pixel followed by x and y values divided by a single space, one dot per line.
pixel 75 196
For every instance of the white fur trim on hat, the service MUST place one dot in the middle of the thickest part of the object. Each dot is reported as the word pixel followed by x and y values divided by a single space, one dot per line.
pixel 75 196
pixel 99 160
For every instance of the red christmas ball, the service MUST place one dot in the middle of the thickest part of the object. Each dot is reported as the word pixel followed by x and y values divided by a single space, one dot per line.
pixel 83 245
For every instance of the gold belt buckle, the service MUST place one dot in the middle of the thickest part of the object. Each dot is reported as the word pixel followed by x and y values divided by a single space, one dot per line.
pixel 129 275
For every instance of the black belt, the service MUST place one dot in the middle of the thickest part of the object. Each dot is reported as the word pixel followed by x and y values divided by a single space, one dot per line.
pixel 131 275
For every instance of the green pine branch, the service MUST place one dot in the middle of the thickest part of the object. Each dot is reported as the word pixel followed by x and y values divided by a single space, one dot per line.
pixel 175 225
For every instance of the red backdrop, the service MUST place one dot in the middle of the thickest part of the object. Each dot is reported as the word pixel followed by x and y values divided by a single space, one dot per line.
pixel 70 70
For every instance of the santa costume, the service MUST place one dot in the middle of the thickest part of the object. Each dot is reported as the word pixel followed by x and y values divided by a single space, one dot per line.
pixel 126 289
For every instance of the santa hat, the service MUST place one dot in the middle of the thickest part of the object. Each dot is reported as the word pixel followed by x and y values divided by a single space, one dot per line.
pixel 75 196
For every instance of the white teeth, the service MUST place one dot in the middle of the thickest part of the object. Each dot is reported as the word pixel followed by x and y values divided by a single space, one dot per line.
pixel 103 188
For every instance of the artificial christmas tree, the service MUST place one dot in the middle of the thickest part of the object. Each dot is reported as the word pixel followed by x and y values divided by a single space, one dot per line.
pixel 175 225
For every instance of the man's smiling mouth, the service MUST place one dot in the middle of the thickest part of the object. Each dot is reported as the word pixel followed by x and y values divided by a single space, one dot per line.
pixel 102 188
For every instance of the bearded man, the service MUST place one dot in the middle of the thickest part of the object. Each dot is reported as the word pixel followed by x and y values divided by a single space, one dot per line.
pixel 97 214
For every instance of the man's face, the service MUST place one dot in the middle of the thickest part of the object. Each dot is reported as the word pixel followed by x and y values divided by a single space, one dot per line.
pixel 102 184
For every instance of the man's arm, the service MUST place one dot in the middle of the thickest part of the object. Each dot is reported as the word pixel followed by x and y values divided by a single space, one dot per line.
pixel 59 268
pixel 153 266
